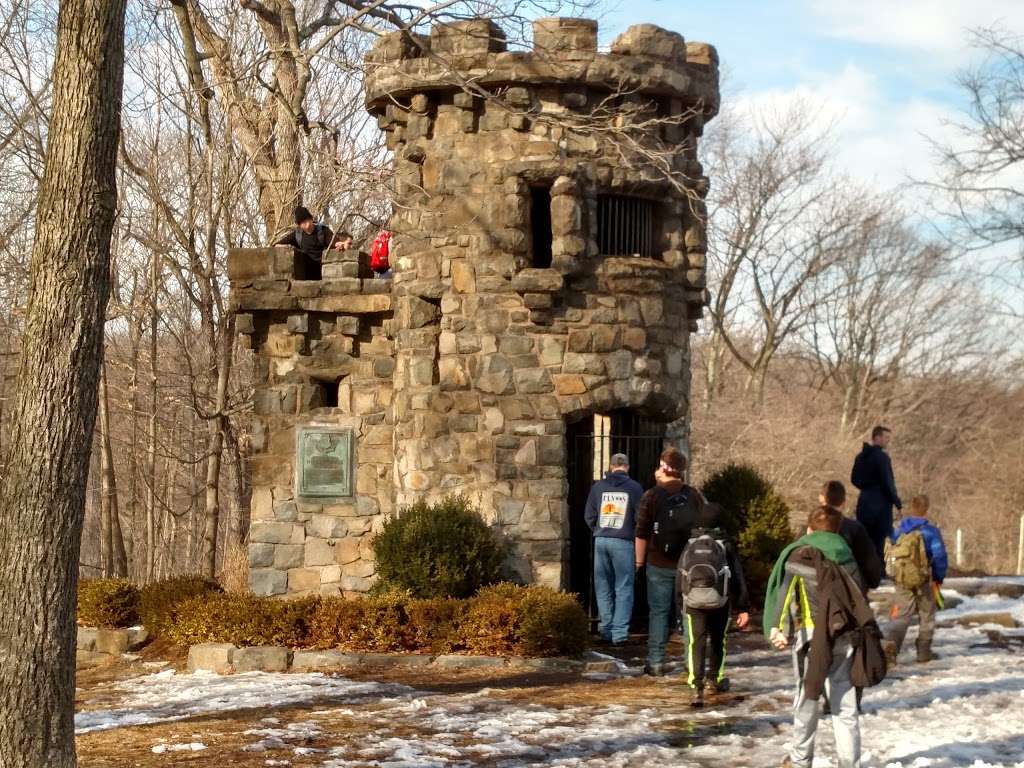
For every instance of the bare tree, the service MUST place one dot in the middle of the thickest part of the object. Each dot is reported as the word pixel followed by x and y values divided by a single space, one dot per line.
pixel 42 490
pixel 780 220
pixel 894 313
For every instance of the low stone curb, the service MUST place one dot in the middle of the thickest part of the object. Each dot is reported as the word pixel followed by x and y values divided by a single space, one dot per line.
pixel 91 642
pixel 225 658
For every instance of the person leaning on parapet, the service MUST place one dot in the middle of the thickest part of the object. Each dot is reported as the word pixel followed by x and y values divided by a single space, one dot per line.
pixel 872 474
pixel 667 515
pixel 311 239
pixel 814 600
pixel 611 515
pixel 833 494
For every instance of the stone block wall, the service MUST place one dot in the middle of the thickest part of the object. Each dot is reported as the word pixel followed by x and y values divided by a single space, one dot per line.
pixel 461 374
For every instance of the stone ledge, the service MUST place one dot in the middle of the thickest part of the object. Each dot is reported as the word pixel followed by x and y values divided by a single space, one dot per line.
pixel 225 658
pixel 111 642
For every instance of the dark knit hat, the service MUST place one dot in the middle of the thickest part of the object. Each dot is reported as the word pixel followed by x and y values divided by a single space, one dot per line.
pixel 302 214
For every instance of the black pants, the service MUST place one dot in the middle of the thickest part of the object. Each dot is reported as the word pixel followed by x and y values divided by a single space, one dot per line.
pixel 878 530
pixel 704 628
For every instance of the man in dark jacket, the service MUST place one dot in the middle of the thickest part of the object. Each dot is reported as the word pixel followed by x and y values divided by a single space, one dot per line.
pixel 833 494
pixel 872 474
pixel 611 515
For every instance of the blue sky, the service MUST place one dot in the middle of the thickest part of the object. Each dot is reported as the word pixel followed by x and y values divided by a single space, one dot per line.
pixel 883 71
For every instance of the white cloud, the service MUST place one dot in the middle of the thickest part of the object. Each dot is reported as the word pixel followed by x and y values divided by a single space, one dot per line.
pixel 938 27
pixel 877 140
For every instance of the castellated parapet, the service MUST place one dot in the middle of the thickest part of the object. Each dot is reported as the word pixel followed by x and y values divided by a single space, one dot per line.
pixel 548 269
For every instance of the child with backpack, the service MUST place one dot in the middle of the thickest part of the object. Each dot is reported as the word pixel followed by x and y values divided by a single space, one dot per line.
pixel 665 519
pixel 814 604
pixel 915 557
pixel 710 585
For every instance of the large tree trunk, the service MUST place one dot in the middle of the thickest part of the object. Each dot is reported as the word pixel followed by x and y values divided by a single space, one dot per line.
pixel 42 491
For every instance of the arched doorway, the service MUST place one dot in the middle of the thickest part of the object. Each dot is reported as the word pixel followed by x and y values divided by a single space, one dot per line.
pixel 590 443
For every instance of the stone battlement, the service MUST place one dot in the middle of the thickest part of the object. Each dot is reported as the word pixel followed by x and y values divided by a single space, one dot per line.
pixel 645 60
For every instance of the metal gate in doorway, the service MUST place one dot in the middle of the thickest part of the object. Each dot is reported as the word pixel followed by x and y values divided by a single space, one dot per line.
pixel 590 444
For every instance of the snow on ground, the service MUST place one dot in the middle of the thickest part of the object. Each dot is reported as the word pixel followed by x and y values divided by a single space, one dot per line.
pixel 966 709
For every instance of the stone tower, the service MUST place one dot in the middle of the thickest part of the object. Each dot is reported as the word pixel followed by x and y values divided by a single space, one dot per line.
pixel 548 270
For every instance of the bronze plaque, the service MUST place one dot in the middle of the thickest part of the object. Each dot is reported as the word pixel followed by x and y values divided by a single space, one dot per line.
pixel 324 461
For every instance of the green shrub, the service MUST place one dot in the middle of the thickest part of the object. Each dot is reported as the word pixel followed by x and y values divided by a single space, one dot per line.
pixel 158 601
pixel 755 516
pixel 435 624
pixel 734 487
pixel 550 623
pixel 242 620
pixel 108 603
pixel 767 533
pixel 438 550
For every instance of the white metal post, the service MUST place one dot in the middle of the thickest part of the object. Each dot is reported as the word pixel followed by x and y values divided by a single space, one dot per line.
pixel 1020 548
pixel 959 548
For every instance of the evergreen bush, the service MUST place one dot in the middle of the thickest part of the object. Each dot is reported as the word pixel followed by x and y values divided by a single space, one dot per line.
pixel 502 620
pixel 242 620
pixel 158 601
pixel 755 516
pixel 108 603
pixel 734 487
pixel 438 550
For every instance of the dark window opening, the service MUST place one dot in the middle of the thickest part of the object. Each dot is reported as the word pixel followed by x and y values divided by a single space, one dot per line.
pixel 306 267
pixel 328 393
pixel 625 226
pixel 540 226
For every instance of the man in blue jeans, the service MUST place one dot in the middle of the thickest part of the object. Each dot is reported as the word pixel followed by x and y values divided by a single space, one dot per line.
pixel 665 519
pixel 611 515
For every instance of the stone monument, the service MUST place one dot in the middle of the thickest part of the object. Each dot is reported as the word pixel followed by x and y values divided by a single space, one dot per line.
pixel 548 270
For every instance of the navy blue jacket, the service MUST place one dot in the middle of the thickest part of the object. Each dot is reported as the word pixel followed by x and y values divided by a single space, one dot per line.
pixel 872 474
pixel 612 505
pixel 934 546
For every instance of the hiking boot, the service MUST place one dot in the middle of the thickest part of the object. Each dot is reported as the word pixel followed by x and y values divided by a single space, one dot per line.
pixel 923 657
pixel 718 686
pixel 787 763
pixel 697 696
pixel 654 670
pixel 891 652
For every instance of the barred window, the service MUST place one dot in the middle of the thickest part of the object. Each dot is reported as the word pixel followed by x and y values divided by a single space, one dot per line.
pixel 625 226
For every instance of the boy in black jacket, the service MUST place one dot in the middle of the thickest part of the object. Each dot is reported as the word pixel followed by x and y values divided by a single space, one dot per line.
pixel 710 625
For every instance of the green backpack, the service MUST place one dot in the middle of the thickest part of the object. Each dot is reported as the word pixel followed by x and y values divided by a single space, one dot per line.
pixel 907 560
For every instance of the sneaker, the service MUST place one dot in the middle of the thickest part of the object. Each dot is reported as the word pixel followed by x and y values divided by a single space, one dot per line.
pixel 697 696
pixel 654 670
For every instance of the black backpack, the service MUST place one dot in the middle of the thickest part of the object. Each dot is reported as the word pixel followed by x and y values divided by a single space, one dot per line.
pixel 704 573
pixel 674 520
pixel 319 232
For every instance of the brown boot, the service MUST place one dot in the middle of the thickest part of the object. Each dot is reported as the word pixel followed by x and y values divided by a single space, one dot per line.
pixel 697 696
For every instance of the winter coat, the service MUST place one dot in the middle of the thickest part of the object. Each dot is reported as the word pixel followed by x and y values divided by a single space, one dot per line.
pixel 790 600
pixel 313 244
pixel 864 553
pixel 934 546
pixel 612 506
pixel 872 474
